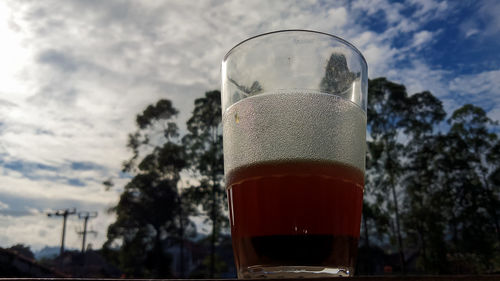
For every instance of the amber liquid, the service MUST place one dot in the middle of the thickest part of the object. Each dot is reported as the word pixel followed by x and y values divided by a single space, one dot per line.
pixel 295 214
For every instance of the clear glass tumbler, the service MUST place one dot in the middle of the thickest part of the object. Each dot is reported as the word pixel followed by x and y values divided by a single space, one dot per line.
pixel 294 125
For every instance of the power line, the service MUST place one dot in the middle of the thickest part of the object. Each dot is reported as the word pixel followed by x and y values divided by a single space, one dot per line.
pixel 63 213
pixel 86 216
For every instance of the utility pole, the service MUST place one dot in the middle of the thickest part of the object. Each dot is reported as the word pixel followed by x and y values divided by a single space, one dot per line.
pixel 86 216
pixel 63 213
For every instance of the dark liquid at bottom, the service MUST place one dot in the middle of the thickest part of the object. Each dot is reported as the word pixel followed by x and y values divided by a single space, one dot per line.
pixel 295 214
pixel 293 250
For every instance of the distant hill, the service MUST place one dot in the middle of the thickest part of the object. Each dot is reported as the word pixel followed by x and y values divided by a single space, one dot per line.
pixel 49 252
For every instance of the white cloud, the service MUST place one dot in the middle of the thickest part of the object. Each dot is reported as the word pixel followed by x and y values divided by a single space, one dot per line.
pixel 380 58
pixel 494 114
pixel 471 31
pixel 428 9
pixel 488 12
pixel 339 14
pixel 12 56
pixel 3 205
pixel 480 83
pixel 39 230
pixel 30 201
pixel 418 77
pixel 371 7
pixel 483 22
pixel 422 37
pixel 482 89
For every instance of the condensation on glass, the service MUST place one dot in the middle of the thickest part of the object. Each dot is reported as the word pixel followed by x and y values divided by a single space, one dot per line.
pixel 294 124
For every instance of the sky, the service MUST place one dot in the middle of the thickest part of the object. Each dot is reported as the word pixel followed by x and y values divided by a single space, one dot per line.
pixel 73 75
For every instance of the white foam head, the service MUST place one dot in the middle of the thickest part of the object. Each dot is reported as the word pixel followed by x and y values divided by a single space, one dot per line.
pixel 294 126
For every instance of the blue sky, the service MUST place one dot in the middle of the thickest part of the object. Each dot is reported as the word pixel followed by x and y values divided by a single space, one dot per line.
pixel 74 74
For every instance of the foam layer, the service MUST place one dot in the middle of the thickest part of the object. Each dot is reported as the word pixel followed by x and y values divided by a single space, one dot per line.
pixel 294 126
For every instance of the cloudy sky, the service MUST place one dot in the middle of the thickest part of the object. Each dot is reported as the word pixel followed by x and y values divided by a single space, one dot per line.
pixel 73 74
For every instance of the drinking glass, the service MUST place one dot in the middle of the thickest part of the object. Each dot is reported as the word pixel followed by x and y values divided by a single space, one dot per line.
pixel 294 128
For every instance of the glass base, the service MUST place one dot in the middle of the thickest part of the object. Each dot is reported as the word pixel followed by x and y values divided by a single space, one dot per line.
pixel 255 272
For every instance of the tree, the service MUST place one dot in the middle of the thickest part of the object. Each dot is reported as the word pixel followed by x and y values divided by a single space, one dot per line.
pixel 374 216
pixel 204 149
pixel 151 211
pixel 337 77
pixel 22 250
pixel 376 221
pixel 475 128
pixel 467 158
pixel 387 108
pixel 423 217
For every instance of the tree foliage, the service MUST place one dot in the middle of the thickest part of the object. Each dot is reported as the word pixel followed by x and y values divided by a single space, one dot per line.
pixel 337 77
pixel 204 148
pixel 387 108
pixel 435 181
pixel 22 250
pixel 151 214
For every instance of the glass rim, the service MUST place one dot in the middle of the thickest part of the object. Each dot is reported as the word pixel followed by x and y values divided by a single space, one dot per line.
pixel 347 43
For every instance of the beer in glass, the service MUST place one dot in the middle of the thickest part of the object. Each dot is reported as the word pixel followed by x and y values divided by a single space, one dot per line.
pixel 294 128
